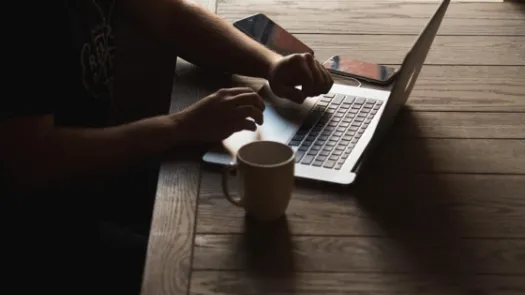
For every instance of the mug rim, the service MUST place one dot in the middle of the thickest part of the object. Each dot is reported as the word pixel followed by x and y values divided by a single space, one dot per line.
pixel 285 162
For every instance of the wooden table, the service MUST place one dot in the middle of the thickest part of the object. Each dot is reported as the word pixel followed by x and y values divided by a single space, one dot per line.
pixel 440 210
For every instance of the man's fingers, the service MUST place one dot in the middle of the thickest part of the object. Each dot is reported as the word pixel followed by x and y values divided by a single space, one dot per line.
pixel 327 80
pixel 318 78
pixel 234 91
pixel 249 112
pixel 248 99
pixel 244 124
pixel 303 72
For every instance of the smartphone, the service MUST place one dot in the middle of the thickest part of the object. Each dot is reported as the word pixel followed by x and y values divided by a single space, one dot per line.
pixel 361 70
pixel 265 31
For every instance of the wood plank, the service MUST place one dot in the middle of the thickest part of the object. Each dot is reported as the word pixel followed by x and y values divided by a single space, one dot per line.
pixel 461 88
pixel 469 88
pixel 380 17
pixel 266 248
pixel 168 260
pixel 446 50
pixel 226 283
pixel 460 125
pixel 209 4
pixel 452 156
pixel 466 205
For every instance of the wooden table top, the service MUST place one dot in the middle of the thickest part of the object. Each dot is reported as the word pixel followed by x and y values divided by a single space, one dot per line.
pixel 439 210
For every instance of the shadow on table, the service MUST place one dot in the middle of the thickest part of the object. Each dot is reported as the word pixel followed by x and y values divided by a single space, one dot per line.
pixel 517 4
pixel 269 256
pixel 409 208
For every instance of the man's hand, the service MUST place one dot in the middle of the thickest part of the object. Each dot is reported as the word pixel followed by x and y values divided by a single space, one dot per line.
pixel 299 70
pixel 219 115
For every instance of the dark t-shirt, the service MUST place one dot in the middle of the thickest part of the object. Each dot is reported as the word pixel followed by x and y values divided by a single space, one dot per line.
pixel 67 57
pixel 59 60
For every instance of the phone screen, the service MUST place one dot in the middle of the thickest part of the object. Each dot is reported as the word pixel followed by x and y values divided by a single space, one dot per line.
pixel 359 68
pixel 267 32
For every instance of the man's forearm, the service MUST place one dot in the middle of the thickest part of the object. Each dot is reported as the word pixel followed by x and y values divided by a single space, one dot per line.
pixel 69 155
pixel 203 38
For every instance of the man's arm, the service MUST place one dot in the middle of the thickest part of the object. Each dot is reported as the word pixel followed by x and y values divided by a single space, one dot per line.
pixel 202 37
pixel 37 155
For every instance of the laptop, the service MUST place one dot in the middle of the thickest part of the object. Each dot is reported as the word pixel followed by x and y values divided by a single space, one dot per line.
pixel 331 134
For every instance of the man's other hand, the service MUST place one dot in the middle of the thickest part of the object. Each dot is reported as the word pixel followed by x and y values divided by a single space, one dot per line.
pixel 219 115
pixel 299 70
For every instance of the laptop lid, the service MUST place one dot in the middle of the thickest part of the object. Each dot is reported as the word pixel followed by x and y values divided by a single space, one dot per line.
pixel 406 78
pixel 409 71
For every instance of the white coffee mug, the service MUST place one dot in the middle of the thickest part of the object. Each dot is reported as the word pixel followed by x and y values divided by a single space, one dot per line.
pixel 265 170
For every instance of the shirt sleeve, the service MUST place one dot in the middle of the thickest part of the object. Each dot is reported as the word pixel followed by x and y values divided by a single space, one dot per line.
pixel 34 61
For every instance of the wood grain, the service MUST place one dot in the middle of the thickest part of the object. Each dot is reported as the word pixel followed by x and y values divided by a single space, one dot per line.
pixel 469 88
pixel 241 283
pixel 380 17
pixel 209 4
pixel 275 249
pixel 467 205
pixel 168 261
pixel 445 50
pixel 460 125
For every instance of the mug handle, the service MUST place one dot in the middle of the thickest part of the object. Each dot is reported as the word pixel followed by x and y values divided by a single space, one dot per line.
pixel 226 188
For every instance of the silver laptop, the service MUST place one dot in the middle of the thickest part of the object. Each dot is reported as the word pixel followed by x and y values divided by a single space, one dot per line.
pixel 332 133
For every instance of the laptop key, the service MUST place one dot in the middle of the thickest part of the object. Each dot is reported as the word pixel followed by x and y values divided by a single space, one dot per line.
pixel 338 99
pixel 338 166
pixel 338 133
pixel 303 148
pixel 321 158
pixel 344 124
pixel 349 99
pixel 298 156
pixel 332 124
pixel 347 137
pixel 312 153
pixel 294 143
pixel 335 138
pixel 334 157
pixel 337 153
pixel 318 163
pixel 324 153
pixel 359 100
pixel 329 164
pixel 344 142
pixel 307 160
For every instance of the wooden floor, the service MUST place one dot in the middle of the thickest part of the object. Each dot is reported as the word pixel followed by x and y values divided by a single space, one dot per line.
pixel 440 211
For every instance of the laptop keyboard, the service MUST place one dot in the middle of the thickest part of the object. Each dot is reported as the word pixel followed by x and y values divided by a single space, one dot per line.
pixel 332 129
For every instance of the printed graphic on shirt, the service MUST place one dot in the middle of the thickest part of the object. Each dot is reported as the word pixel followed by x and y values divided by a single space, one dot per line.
pixel 98 52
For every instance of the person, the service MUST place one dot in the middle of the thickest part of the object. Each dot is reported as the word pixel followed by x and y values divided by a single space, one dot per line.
pixel 62 153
